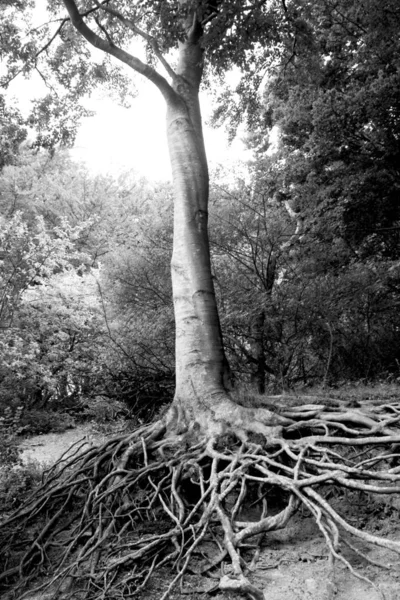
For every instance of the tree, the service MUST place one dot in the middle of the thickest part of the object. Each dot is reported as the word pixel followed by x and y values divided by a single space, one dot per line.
pixel 56 187
pixel 297 304
pixel 250 237
pixel 128 232
pixel 336 108
pixel 41 332
pixel 200 461
pixel 136 283
pixel 29 256
pixel 12 133
pixel 54 354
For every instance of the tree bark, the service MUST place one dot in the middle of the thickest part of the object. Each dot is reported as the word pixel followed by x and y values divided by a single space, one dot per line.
pixel 201 366
pixel 258 350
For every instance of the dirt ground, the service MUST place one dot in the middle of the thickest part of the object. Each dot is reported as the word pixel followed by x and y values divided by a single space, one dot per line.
pixel 46 449
pixel 293 563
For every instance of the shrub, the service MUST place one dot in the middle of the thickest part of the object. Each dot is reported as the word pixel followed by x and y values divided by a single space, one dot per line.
pixel 17 483
pixel 103 410
pixel 9 449
pixel 36 422
pixel 10 427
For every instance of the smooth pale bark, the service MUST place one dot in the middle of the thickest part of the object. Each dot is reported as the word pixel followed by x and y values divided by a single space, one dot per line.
pixel 201 367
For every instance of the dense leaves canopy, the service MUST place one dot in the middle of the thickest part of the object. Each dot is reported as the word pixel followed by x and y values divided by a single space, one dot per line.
pixel 336 107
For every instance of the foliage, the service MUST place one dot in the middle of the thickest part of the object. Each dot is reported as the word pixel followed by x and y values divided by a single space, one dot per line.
pixel 298 307
pixel 81 332
pixel 103 410
pixel 9 450
pixel 29 256
pixel 136 299
pixel 46 311
pixel 38 422
pixel 12 133
pixel 54 117
pixel 17 484
pixel 331 91
pixel 335 106
pixel 57 188
pixel 10 427
pixel 330 311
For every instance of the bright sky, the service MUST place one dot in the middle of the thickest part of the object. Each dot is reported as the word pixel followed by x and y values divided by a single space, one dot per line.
pixel 117 139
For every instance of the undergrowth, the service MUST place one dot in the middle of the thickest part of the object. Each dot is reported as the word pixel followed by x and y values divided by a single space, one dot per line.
pixel 17 483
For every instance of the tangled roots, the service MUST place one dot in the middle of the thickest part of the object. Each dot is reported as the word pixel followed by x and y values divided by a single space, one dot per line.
pixel 107 519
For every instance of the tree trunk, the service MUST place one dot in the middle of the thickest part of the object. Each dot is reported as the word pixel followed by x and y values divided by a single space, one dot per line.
pixel 202 404
pixel 258 350
pixel 202 373
pixel 257 329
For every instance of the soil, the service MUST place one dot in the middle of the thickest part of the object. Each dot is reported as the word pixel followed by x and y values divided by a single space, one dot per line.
pixel 293 563
pixel 47 448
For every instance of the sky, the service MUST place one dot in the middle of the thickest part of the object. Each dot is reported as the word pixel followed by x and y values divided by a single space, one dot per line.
pixel 117 139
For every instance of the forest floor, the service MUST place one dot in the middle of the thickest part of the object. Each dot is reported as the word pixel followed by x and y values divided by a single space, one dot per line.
pixel 47 448
pixel 293 562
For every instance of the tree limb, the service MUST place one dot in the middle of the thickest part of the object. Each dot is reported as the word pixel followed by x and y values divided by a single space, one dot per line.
pixel 146 36
pixel 110 48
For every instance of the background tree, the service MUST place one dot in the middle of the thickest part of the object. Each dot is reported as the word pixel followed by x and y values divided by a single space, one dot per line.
pixel 12 133
pixel 249 239
pixel 127 233
pixel 136 285
pixel 33 347
pixel 329 314
pixel 334 105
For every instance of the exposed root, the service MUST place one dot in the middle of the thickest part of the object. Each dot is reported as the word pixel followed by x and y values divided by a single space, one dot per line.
pixel 105 521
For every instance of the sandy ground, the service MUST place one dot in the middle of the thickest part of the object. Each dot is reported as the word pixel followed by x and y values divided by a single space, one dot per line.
pixel 49 447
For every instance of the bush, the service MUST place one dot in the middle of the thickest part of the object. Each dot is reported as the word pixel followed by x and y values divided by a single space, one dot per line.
pixel 10 427
pixel 9 449
pixel 103 410
pixel 36 422
pixel 17 483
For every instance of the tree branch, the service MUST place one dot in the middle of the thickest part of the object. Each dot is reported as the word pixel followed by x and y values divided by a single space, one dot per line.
pixel 146 36
pixel 38 53
pixel 110 48
pixel 104 30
